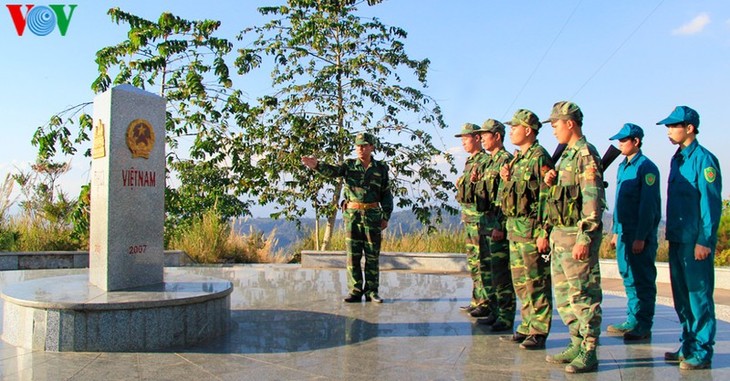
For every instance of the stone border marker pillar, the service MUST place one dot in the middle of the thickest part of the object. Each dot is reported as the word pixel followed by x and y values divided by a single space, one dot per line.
pixel 127 189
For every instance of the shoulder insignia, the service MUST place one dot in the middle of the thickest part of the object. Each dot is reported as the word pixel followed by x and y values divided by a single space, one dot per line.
pixel 584 151
pixel 650 179
pixel 710 174
pixel 590 173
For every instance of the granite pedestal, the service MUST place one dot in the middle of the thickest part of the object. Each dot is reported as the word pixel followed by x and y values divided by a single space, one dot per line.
pixel 67 313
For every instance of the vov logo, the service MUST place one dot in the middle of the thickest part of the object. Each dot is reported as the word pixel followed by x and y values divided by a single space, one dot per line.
pixel 41 20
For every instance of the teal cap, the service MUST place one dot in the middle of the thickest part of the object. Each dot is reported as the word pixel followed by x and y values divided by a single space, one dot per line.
pixel 682 114
pixel 629 130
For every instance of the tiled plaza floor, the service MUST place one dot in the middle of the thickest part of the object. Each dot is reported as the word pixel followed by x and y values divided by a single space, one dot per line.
pixel 290 324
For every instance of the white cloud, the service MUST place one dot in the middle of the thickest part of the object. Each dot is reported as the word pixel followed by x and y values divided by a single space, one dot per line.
pixel 693 27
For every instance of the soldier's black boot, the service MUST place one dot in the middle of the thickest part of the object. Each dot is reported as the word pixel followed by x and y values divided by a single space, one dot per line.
pixel 374 297
pixel 480 311
pixel 353 298
pixel 533 342
pixel 515 338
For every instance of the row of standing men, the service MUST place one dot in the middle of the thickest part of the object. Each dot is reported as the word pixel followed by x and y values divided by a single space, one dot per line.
pixel 534 230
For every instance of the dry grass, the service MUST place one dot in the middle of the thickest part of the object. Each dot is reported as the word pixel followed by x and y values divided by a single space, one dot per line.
pixel 440 241
pixel 210 240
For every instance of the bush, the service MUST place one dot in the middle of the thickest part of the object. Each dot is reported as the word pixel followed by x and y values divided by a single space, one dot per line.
pixel 209 239
pixel 33 233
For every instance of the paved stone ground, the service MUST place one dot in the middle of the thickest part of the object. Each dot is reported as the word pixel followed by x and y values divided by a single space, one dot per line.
pixel 291 324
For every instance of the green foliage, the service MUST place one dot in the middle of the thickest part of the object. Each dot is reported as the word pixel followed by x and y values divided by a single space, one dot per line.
pixel 184 61
pixel 210 239
pixel 35 233
pixel 81 218
pixel 336 73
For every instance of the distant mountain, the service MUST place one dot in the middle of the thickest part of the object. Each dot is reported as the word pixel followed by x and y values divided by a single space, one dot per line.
pixel 401 222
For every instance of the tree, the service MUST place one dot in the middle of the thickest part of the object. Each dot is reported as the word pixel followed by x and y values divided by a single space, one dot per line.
pixel 184 62
pixel 336 73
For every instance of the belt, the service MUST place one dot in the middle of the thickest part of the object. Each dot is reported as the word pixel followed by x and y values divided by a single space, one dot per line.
pixel 362 205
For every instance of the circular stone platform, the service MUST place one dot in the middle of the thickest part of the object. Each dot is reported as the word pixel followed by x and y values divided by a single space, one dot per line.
pixel 69 314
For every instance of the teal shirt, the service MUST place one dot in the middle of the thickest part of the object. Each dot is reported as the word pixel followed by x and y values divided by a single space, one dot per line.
pixel 363 185
pixel 638 202
pixel 694 197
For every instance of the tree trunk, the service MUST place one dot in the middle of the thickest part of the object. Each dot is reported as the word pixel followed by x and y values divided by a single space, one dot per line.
pixel 316 231
pixel 330 227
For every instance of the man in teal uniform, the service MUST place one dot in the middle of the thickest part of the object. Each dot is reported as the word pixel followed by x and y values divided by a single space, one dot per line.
pixel 694 207
pixel 635 224
pixel 500 292
pixel 366 210
pixel 575 209
pixel 523 201
pixel 477 249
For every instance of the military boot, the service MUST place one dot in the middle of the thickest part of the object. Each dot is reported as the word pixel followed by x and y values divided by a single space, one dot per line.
pixel 568 354
pixel 586 361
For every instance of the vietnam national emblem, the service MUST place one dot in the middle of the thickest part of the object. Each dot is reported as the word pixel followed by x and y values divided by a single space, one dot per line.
pixel 140 138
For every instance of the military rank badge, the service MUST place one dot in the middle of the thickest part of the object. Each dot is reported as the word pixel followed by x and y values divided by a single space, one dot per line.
pixel 710 174
pixel 650 179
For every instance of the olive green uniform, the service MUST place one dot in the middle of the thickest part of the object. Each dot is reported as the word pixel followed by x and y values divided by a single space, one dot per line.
pixel 369 186
pixel 500 291
pixel 577 202
pixel 523 201
pixel 477 246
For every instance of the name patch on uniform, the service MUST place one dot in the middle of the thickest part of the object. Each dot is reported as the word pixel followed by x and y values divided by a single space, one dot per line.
pixel 710 174
pixel 650 179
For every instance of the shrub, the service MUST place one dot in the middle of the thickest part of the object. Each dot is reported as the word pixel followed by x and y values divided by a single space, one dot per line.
pixel 210 239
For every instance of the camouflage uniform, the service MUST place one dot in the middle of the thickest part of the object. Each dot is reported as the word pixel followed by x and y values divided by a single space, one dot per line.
pixel 363 185
pixel 477 247
pixel 577 202
pixel 500 290
pixel 523 200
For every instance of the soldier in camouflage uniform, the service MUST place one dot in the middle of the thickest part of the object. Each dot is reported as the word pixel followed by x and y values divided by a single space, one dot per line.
pixel 577 202
pixel 477 249
pixel 523 201
pixel 500 292
pixel 366 210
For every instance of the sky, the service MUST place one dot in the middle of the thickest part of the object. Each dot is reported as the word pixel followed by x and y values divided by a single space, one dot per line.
pixel 620 61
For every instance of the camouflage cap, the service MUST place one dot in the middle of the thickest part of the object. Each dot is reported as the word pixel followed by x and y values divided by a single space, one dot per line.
pixel 467 129
pixel 493 126
pixel 682 114
pixel 527 118
pixel 364 138
pixel 565 110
